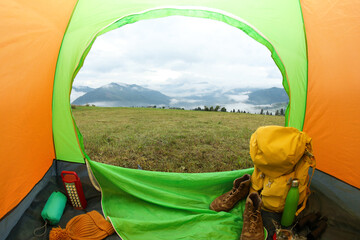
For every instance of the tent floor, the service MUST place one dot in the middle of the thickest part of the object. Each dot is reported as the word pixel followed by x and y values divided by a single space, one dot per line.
pixel 342 224
pixel 32 219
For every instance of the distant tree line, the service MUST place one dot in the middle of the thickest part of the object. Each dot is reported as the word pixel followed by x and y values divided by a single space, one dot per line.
pixel 163 107
pixel 211 109
pixel 73 106
pixel 217 108
pixel 278 112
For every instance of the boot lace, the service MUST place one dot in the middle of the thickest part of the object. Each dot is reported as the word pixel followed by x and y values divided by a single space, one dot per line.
pixel 254 218
pixel 230 194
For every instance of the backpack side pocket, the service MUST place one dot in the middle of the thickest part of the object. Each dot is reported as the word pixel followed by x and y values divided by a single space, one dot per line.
pixel 275 191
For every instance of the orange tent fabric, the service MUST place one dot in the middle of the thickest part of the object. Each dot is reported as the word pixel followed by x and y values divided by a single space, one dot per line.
pixel 32 37
pixel 333 109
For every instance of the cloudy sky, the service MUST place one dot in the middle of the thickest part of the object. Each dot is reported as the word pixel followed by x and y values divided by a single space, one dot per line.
pixel 179 56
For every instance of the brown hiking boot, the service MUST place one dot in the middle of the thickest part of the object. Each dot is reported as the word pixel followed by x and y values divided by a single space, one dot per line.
pixel 239 191
pixel 253 228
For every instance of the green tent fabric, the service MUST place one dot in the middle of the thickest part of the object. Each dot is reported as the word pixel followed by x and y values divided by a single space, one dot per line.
pixel 160 205
pixel 278 25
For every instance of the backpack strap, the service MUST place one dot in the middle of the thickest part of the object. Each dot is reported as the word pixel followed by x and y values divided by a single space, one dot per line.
pixel 311 160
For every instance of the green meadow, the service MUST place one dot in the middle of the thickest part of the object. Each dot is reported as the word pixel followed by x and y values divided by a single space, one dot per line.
pixel 169 140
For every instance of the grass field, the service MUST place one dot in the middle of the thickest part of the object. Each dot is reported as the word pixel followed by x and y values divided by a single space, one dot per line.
pixel 169 140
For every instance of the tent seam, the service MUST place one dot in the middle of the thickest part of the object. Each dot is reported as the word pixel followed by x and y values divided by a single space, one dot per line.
pixel 307 67
pixel 102 196
pixel 53 91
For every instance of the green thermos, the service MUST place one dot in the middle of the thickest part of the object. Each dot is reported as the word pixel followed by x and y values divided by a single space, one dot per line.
pixel 291 203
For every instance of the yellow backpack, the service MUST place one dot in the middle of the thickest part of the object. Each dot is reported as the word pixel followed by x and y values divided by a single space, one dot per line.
pixel 280 154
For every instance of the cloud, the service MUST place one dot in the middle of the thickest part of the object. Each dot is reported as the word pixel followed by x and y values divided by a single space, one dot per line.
pixel 179 55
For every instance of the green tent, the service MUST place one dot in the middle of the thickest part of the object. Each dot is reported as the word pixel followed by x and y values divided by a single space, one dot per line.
pixel 43 45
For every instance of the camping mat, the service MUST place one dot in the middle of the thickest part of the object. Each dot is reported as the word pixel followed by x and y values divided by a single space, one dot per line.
pixel 161 205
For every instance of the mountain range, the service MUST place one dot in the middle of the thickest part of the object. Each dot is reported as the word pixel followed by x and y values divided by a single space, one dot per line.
pixel 122 95
pixel 132 95
pixel 268 96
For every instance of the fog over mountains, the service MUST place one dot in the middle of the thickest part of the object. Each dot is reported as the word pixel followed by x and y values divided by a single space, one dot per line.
pixel 132 95
pixel 122 95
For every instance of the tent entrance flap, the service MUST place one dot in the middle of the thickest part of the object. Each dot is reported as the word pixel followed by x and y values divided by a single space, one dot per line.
pixel 160 205
pixel 77 47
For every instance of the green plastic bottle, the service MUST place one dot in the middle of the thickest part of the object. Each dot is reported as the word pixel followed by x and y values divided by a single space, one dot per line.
pixel 291 203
